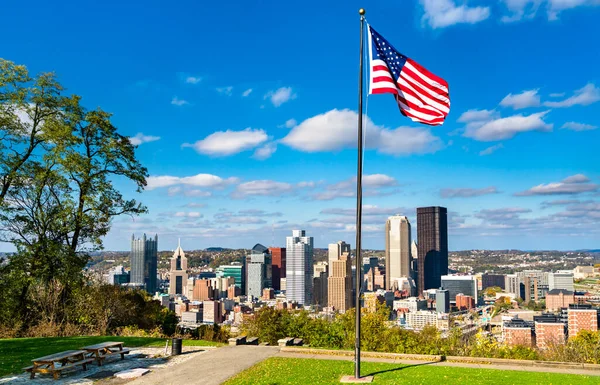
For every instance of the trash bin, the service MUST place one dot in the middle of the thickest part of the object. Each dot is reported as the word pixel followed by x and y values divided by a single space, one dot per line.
pixel 176 346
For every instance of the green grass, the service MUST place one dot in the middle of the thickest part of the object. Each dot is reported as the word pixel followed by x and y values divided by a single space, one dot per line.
pixel 280 371
pixel 17 353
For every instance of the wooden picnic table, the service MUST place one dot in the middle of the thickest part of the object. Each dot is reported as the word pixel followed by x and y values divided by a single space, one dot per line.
pixel 56 363
pixel 102 350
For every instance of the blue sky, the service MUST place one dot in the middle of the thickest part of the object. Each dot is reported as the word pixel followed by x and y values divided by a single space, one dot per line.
pixel 245 115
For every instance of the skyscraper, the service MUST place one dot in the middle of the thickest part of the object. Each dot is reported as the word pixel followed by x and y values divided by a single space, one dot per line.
pixel 339 283
pixel 336 250
pixel 144 258
pixel 178 275
pixel 397 249
pixel 259 271
pixel 320 274
pixel 299 267
pixel 432 235
pixel 278 262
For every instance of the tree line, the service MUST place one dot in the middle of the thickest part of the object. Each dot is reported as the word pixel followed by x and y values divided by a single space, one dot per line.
pixel 378 335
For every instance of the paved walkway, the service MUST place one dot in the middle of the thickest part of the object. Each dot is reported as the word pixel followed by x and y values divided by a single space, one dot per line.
pixel 210 368
pixel 455 364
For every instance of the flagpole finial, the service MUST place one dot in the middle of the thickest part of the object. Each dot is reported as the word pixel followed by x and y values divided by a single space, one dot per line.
pixel 361 11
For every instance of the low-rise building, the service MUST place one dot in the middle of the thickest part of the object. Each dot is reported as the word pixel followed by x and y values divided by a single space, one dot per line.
pixel 582 317
pixel 550 330
pixel 465 302
pixel 418 320
pixel 410 304
pixel 518 332
pixel 559 298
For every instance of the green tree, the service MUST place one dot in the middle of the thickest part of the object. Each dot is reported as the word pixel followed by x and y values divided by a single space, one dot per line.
pixel 58 163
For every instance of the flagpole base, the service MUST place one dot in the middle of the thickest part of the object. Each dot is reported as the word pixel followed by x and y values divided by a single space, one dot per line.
pixel 354 380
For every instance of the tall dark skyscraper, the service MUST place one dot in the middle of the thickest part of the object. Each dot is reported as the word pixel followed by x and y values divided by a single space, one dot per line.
pixel 144 258
pixel 432 235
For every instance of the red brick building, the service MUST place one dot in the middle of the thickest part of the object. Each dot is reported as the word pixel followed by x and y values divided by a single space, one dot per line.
pixel 548 334
pixel 465 302
pixel 203 290
pixel 582 317
pixel 517 336
pixel 278 266
pixel 518 332
pixel 559 298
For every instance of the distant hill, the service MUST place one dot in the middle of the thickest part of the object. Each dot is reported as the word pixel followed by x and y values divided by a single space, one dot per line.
pixel 216 249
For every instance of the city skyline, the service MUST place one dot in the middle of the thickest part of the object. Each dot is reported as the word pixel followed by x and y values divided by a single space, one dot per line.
pixel 244 154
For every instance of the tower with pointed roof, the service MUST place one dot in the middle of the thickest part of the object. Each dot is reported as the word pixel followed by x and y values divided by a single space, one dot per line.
pixel 178 275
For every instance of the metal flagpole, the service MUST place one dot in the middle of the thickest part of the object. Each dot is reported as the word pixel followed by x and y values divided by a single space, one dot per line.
pixel 359 200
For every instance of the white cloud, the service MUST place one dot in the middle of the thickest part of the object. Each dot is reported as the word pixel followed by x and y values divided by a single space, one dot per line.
pixel 372 184
pixel 521 9
pixel 280 96
pixel 467 192
pixel 527 9
pixel 490 150
pixel 523 100
pixel 290 123
pixel 191 214
pixel 247 92
pixel 477 116
pixel 584 96
pixel 444 13
pixel 557 6
pixel 140 138
pixel 578 126
pixel 223 143
pixel 261 188
pixel 199 180
pixel 506 128
pixel 179 102
pixel 265 151
pixel 225 90
pixel 337 130
pixel 575 184
pixel 193 79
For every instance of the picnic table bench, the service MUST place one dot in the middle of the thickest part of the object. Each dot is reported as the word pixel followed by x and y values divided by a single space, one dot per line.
pixel 102 350
pixel 56 363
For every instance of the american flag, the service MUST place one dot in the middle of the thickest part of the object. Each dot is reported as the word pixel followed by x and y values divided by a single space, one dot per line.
pixel 421 95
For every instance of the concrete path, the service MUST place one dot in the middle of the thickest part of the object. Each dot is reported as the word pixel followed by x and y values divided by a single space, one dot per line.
pixel 455 364
pixel 210 368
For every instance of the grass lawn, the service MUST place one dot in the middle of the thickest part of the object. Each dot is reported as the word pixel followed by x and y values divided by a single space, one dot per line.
pixel 17 353
pixel 280 371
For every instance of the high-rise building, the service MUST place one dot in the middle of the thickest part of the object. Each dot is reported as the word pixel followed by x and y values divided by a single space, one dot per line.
pixel 442 301
pixel 398 246
pixel 512 284
pixel 259 271
pixel 414 264
pixel 374 279
pixel 118 276
pixel 460 284
pixel 561 280
pixel 339 290
pixel 178 274
pixel 278 263
pixel 336 250
pixel 144 259
pixel 203 290
pixel 299 267
pixel 237 271
pixel 432 235
pixel 493 280
pixel 320 274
